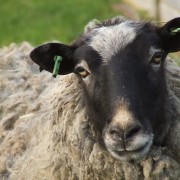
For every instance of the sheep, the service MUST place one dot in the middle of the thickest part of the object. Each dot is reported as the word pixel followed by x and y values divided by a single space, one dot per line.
pixel 130 84
pixel 64 144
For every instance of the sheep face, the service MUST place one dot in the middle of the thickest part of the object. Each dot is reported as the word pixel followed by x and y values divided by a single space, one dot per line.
pixel 125 93
pixel 121 67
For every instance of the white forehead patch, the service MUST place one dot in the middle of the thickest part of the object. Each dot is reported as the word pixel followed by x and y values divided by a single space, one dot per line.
pixel 109 40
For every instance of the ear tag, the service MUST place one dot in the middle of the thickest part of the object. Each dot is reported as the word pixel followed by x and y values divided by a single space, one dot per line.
pixel 57 62
pixel 174 31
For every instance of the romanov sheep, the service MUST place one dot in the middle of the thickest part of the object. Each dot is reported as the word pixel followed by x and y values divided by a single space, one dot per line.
pixel 116 117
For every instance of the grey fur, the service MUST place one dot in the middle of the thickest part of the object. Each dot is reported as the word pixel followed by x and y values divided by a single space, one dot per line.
pixel 121 35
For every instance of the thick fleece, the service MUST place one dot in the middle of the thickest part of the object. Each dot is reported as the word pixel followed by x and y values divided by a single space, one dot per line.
pixel 45 132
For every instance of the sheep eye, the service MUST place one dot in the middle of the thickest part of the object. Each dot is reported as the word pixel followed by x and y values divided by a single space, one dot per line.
pixel 82 72
pixel 157 58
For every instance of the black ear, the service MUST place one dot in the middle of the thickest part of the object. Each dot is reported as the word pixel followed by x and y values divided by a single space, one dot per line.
pixel 170 35
pixel 44 56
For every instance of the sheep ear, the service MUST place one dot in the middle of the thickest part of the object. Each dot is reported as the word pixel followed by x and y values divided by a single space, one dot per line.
pixel 44 56
pixel 170 35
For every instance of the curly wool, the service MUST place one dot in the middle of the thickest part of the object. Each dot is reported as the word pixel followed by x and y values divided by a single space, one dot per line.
pixel 45 132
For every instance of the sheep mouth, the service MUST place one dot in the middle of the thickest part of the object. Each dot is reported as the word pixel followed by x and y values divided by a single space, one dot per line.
pixel 138 150
pixel 134 151
pixel 131 155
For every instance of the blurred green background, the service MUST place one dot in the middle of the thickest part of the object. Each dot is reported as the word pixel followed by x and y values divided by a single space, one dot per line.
pixel 37 21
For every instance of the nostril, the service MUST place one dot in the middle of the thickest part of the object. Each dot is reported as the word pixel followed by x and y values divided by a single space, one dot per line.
pixel 114 132
pixel 132 132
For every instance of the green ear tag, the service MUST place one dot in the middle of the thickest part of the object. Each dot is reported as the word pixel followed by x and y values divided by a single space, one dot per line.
pixel 174 31
pixel 57 62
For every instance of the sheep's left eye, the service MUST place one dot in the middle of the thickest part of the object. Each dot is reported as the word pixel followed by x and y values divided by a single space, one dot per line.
pixel 82 71
pixel 157 58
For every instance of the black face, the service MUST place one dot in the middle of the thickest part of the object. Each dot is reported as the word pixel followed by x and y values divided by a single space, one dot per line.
pixel 126 94
pixel 121 67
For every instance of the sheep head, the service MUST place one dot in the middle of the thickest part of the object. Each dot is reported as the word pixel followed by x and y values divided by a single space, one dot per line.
pixel 121 67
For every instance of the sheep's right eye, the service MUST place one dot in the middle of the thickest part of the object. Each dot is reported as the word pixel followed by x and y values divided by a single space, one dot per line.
pixel 82 72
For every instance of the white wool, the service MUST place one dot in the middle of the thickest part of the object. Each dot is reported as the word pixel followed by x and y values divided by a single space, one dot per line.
pixel 45 132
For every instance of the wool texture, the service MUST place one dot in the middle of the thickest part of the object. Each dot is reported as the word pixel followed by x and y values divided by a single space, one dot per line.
pixel 45 132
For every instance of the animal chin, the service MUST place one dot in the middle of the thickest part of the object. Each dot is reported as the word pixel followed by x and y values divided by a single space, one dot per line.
pixel 133 155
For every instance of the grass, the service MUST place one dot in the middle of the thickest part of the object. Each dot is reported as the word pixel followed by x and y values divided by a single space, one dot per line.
pixel 176 57
pixel 37 21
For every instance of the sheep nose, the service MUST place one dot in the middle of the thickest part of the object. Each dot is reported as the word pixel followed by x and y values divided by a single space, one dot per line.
pixel 116 132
